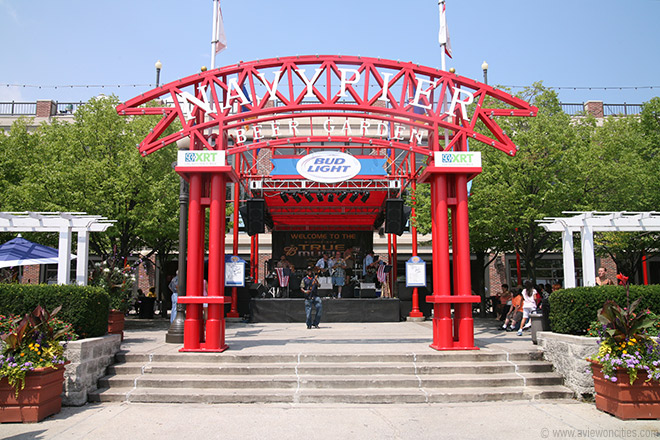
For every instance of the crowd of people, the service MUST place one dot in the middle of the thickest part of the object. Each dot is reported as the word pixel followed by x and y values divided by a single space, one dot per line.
pixel 514 307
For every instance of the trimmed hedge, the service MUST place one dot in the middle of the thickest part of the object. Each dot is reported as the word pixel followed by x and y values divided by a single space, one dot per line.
pixel 84 307
pixel 573 310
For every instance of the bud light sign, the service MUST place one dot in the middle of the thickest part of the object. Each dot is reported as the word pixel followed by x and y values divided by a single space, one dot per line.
pixel 328 167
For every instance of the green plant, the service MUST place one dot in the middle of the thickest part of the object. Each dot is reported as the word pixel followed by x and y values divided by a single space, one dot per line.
pixel 573 310
pixel 117 280
pixel 32 341
pixel 626 341
pixel 84 307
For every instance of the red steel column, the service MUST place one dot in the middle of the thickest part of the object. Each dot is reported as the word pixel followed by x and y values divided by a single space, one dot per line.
pixel 462 260
pixel 415 312
pixel 192 324
pixel 233 313
pixel 256 257
pixel 455 252
pixel 215 326
pixel 442 331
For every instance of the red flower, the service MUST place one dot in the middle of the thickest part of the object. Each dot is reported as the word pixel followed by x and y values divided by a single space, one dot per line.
pixel 623 280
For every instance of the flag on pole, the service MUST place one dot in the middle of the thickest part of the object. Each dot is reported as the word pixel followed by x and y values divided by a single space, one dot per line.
pixel 443 37
pixel 282 277
pixel 220 39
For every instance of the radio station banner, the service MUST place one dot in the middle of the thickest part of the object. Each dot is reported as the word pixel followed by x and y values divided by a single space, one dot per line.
pixel 304 248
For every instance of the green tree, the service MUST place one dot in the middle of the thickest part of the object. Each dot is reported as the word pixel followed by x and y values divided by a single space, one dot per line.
pixel 92 165
pixel 626 167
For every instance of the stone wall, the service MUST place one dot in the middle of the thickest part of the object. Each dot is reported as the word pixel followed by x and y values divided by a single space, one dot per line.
pixel 568 353
pixel 89 359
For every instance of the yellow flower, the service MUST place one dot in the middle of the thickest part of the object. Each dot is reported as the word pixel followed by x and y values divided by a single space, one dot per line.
pixel 624 351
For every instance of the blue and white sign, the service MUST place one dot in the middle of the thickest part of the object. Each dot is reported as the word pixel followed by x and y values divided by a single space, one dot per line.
pixel 415 272
pixel 201 158
pixel 234 271
pixel 328 167
pixel 458 159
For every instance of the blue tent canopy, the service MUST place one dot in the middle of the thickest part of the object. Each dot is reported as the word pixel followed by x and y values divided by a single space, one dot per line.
pixel 22 252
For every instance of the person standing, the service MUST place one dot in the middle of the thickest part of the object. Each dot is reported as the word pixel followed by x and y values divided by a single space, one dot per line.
pixel 367 262
pixel 529 305
pixel 381 276
pixel 174 287
pixel 309 288
pixel 602 279
pixel 322 265
pixel 338 273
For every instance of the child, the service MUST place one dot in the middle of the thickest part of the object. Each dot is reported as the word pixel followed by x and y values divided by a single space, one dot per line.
pixel 514 316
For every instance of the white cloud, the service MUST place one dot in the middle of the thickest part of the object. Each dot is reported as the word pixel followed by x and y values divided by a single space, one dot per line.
pixel 9 9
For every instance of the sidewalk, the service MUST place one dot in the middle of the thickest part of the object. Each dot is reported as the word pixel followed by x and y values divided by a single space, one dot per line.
pixel 492 420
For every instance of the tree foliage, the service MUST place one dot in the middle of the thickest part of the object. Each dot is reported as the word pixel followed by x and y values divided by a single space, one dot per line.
pixel 91 165
pixel 562 164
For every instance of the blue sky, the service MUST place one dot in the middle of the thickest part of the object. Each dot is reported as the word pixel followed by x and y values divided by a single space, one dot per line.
pixel 565 43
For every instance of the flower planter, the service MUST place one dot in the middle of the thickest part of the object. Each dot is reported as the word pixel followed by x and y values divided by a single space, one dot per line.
pixel 41 397
pixel 116 323
pixel 638 401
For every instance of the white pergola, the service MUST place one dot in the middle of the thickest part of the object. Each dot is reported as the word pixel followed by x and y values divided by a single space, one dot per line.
pixel 586 223
pixel 65 223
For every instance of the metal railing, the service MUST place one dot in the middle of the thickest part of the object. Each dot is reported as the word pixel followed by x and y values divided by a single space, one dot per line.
pixel 18 108
pixel 625 109
pixel 14 108
pixel 621 109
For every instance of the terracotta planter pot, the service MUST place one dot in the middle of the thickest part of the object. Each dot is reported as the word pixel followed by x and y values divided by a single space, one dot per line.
pixel 116 323
pixel 638 401
pixel 41 397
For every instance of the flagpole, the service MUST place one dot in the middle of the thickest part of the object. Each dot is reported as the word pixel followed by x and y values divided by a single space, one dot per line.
pixel 443 45
pixel 443 65
pixel 214 34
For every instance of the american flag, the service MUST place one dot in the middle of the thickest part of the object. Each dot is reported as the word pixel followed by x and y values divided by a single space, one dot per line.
pixel 381 275
pixel 281 277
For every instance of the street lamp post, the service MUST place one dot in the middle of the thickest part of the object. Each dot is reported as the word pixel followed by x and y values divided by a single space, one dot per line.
pixel 159 66
pixel 484 67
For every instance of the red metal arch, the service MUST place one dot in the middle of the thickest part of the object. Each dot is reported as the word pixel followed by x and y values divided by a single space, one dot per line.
pixel 410 104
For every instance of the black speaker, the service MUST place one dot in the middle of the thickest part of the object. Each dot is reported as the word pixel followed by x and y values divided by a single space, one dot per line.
pixel 394 220
pixel 256 218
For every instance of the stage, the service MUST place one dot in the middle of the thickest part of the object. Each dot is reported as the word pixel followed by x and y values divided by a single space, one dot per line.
pixel 334 310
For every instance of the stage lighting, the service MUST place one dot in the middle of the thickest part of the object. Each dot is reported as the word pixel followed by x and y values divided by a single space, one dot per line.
pixel 331 198
pixel 319 196
pixel 284 197
pixel 308 196
pixel 342 195
pixel 365 197
pixel 353 197
pixel 296 197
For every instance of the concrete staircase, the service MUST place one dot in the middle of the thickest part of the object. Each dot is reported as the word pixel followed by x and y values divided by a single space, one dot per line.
pixel 469 376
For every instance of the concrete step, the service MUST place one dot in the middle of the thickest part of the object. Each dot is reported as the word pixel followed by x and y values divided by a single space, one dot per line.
pixel 400 381
pixel 332 377
pixel 177 368
pixel 229 358
pixel 353 395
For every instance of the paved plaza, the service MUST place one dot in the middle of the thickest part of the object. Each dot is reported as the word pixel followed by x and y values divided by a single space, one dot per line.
pixel 488 420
